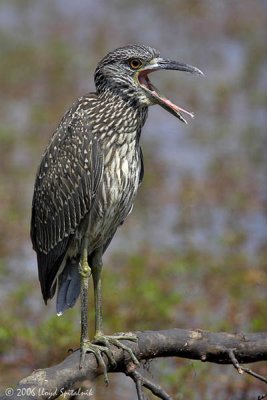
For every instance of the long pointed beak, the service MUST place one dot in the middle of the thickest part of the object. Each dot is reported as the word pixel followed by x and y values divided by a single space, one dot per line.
pixel 157 98
pixel 161 63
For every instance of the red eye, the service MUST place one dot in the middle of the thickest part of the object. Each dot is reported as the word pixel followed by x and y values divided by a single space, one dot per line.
pixel 135 63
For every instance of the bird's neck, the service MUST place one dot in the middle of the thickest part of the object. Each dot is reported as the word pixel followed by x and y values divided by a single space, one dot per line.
pixel 122 115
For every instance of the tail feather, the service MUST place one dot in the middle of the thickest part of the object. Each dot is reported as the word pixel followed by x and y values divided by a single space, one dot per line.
pixel 69 283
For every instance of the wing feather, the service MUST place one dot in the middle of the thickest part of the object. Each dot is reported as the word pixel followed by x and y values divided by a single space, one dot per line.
pixel 66 185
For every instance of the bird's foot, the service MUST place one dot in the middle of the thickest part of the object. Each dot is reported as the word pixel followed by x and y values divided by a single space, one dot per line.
pixel 101 345
pixel 98 351
pixel 108 340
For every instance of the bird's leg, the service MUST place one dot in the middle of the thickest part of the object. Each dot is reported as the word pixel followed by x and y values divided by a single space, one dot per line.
pixel 85 345
pixel 85 272
pixel 100 338
pixel 101 343
pixel 96 272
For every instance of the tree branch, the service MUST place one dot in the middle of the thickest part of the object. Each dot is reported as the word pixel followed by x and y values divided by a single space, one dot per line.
pixel 220 348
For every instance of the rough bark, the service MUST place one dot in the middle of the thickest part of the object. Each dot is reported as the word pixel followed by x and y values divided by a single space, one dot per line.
pixel 221 348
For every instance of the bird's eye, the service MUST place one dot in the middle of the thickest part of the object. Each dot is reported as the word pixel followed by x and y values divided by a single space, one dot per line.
pixel 135 63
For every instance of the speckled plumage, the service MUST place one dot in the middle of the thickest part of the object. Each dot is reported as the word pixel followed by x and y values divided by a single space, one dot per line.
pixel 88 178
pixel 91 170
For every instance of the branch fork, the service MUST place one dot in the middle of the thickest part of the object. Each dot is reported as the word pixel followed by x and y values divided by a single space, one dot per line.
pixel 220 348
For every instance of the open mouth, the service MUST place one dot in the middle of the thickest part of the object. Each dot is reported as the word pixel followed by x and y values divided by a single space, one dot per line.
pixel 159 98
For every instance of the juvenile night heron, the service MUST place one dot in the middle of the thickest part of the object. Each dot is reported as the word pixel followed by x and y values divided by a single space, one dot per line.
pixel 88 179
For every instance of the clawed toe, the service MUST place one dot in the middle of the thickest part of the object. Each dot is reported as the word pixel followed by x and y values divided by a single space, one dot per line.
pixel 98 351
pixel 108 340
pixel 101 345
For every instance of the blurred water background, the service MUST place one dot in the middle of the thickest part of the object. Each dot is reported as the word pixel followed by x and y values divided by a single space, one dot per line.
pixel 193 252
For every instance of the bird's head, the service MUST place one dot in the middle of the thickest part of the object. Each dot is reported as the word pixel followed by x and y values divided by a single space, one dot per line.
pixel 125 71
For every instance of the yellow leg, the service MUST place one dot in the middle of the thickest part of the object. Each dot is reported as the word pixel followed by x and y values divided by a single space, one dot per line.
pixel 102 343
pixel 85 272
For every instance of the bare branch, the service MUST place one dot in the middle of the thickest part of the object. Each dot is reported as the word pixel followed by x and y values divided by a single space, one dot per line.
pixel 221 348
pixel 137 378
pixel 141 381
pixel 240 369
pixel 234 361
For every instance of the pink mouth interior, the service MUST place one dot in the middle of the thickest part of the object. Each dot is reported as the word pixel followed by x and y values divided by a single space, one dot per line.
pixel 162 100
